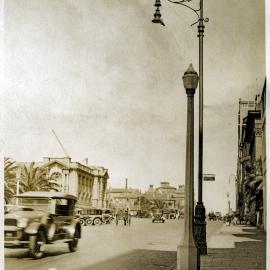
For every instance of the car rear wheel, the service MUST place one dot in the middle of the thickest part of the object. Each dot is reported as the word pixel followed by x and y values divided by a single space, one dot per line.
pixel 37 245
pixel 97 221
pixel 88 221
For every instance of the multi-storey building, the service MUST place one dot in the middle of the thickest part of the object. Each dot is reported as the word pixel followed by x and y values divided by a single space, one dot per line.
pixel 251 164
pixel 123 197
pixel 172 197
pixel 167 196
pixel 88 183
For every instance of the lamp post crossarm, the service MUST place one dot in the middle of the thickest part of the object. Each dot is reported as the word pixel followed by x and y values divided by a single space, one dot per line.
pixel 196 11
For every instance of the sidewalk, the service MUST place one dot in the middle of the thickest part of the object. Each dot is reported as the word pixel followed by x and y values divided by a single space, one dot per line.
pixel 236 247
pixel 230 248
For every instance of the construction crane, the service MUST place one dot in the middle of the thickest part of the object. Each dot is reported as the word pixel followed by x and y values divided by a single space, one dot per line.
pixel 65 152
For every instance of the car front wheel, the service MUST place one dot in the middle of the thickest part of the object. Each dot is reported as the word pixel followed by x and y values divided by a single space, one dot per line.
pixel 37 245
pixel 73 245
pixel 82 221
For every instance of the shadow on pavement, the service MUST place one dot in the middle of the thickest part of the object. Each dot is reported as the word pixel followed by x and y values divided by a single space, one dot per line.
pixel 139 259
pixel 245 255
pixel 248 254
pixel 253 234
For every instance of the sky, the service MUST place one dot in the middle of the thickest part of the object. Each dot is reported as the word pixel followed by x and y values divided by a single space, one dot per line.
pixel 109 82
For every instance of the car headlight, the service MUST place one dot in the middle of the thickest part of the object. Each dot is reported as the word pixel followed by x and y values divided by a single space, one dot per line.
pixel 22 223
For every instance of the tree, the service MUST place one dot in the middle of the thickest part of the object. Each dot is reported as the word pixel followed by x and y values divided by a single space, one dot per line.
pixel 35 179
pixel 9 179
pixel 144 203
pixel 158 203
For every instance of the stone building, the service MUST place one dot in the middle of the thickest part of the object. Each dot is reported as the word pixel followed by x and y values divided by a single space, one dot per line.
pixel 251 163
pixel 88 183
pixel 123 197
pixel 172 197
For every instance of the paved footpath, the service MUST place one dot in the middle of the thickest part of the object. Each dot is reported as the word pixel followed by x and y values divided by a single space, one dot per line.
pixel 236 247
pixel 229 248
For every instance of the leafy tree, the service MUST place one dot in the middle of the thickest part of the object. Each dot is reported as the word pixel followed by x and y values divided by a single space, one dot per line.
pixel 160 204
pixel 144 203
pixel 35 179
pixel 9 179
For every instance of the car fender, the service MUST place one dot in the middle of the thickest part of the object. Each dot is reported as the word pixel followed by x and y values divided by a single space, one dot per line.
pixel 71 228
pixel 33 228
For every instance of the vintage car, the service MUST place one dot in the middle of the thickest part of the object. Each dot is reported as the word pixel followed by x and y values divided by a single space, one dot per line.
pixel 172 214
pixel 90 216
pixel 107 216
pixel 158 216
pixel 41 218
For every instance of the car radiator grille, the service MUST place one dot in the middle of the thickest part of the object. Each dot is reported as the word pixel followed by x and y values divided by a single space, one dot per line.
pixel 10 222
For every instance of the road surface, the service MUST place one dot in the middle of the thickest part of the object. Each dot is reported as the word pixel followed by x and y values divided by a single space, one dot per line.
pixel 103 243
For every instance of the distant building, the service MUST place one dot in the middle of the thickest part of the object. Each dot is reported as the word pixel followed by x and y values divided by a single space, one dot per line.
pixel 88 183
pixel 123 197
pixel 172 197
pixel 251 163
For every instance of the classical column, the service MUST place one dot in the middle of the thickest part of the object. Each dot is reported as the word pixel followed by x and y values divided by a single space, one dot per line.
pixel 18 178
pixel 95 192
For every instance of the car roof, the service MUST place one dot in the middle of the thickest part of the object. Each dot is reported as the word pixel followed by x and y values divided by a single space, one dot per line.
pixel 46 194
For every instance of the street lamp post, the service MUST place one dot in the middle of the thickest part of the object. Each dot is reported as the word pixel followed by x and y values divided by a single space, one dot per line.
pixel 199 219
pixel 187 251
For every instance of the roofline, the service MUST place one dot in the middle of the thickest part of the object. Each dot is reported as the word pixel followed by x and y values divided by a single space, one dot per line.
pixel 42 194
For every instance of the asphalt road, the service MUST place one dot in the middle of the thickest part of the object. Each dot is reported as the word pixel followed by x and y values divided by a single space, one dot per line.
pixel 106 243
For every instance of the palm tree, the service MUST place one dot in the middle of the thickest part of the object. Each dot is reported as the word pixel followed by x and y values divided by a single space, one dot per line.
pixel 9 179
pixel 35 179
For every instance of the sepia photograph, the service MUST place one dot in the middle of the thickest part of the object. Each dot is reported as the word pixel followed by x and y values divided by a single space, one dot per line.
pixel 134 134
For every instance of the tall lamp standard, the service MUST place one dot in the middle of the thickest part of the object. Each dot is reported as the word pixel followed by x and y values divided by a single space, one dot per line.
pixel 199 222
pixel 187 251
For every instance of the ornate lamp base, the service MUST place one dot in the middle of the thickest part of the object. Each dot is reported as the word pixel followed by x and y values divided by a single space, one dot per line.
pixel 200 229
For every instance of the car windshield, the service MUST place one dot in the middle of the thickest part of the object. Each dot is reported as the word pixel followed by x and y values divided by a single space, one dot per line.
pixel 35 203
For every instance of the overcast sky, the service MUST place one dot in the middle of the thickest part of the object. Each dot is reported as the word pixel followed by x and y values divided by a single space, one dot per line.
pixel 109 82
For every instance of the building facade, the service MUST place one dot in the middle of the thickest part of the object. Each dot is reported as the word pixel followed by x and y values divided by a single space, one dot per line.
pixel 251 163
pixel 123 197
pixel 164 196
pixel 171 197
pixel 87 183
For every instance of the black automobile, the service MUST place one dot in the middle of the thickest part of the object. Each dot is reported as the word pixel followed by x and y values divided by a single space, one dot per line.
pixel 107 216
pixel 42 218
pixel 158 216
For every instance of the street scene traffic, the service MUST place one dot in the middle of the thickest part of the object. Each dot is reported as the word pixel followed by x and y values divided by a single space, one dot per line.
pixel 104 242
pixel 134 135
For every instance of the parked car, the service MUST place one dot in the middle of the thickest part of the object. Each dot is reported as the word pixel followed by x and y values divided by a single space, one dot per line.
pixel 143 214
pixel 166 213
pixel 218 216
pixel 158 216
pixel 42 218
pixel 172 214
pixel 107 216
pixel 90 216
pixel 212 216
